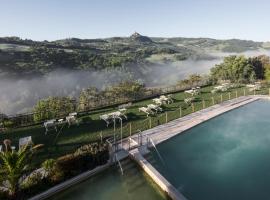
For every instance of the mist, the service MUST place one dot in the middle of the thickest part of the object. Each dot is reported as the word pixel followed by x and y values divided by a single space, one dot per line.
pixel 168 74
pixel 19 95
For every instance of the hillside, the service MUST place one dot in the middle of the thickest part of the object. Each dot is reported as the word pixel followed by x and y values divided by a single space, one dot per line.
pixel 27 57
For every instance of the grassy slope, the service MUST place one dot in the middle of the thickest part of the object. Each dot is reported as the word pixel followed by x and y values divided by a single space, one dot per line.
pixel 69 138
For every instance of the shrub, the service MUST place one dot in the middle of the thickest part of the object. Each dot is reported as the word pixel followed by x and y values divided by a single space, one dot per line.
pixel 85 158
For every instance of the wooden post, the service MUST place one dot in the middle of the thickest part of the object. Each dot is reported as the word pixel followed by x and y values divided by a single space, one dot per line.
pixel 180 109
pixel 244 92
pixel 236 95
pixel 130 129
pixel 221 99
pixel 254 93
pixel 101 137
pixel 193 109
pixel 229 96
pixel 166 114
pixel 213 101
pixel 150 122
pixel 203 104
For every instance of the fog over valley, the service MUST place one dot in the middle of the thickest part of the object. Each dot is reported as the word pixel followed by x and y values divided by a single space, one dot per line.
pixel 19 95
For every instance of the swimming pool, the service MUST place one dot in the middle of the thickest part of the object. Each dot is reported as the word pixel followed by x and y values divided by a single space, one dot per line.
pixel 111 185
pixel 227 157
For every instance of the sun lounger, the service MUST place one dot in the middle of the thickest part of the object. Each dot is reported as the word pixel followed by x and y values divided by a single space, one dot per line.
pixel 189 100
pixel 154 107
pixel 158 101
pixel 146 110
pixel 71 119
pixel 25 141
pixel 106 118
pixel 51 124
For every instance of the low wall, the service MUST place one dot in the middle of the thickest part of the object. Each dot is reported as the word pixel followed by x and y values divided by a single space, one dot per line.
pixel 67 184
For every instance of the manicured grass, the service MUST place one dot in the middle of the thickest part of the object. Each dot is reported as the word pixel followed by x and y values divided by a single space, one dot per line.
pixel 57 144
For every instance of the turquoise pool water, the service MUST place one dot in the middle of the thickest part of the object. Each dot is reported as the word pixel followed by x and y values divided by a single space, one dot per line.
pixel 225 158
pixel 111 185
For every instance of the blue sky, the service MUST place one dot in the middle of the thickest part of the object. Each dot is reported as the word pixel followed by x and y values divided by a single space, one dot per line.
pixel 55 19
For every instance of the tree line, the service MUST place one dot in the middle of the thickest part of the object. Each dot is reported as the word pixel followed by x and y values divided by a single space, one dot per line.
pixel 241 69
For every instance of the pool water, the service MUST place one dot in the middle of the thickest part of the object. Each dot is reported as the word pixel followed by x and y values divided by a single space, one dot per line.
pixel 225 158
pixel 111 185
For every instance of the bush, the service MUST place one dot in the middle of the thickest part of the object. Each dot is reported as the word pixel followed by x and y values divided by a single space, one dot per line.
pixel 85 158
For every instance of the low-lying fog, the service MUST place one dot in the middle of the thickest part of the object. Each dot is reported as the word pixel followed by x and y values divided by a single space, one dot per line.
pixel 19 95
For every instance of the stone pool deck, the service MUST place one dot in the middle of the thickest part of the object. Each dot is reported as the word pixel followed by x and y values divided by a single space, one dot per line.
pixel 166 131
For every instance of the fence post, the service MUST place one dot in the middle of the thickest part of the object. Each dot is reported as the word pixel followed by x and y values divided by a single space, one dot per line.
pixel 130 129
pixel 221 99
pixel 166 114
pixel 244 92
pixel 180 109
pixel 213 101
pixel 150 122
pixel 192 105
pixel 203 104
pixel 254 92
pixel 229 96
pixel 236 95
pixel 101 137
pixel 269 91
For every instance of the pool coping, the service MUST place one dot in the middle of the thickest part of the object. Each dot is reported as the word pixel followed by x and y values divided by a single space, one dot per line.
pixel 162 182
pixel 167 131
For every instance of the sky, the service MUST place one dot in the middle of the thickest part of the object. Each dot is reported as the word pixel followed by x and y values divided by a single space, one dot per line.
pixel 58 19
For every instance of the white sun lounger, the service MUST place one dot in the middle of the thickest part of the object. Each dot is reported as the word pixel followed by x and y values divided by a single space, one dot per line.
pixel 50 124
pixel 154 107
pixel 110 117
pixel 146 110
pixel 158 101
pixel 189 100
pixel 25 141
pixel 106 118
pixel 71 119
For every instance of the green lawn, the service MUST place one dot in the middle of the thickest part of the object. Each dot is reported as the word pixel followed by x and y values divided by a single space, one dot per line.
pixel 92 127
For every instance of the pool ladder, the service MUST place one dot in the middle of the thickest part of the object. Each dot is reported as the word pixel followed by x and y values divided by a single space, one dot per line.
pixel 119 164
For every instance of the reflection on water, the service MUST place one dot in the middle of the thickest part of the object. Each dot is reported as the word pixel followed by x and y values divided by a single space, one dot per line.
pixel 111 185
pixel 227 157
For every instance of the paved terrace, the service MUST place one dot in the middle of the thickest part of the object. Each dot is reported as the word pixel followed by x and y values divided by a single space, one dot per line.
pixel 166 131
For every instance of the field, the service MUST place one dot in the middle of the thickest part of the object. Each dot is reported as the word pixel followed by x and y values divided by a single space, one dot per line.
pixel 92 129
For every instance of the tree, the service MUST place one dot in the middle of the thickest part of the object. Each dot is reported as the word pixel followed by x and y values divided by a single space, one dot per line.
pixel 234 68
pixel 53 107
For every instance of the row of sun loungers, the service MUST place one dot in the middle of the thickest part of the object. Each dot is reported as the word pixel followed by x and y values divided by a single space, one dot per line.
pixel 152 109
pixel 254 87
pixel 53 123
pixel 224 87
